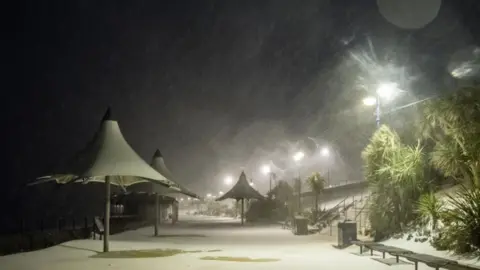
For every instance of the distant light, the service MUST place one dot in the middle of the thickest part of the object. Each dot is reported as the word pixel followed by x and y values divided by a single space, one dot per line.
pixel 387 90
pixel 370 101
pixel 228 180
pixel 298 156
pixel 220 192
pixel 181 199
pixel 188 198
pixel 265 169
pixel 251 184
pixel 209 195
pixel 325 152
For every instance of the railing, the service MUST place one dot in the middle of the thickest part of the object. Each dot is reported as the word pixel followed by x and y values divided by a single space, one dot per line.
pixel 45 234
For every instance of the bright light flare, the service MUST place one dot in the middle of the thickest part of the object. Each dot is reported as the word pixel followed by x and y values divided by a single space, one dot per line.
pixel 325 152
pixel 209 195
pixel 387 90
pixel 370 101
pixel 220 193
pixel 298 156
pixel 251 184
pixel 228 180
pixel 265 169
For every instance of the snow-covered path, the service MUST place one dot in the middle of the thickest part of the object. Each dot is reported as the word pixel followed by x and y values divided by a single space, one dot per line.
pixel 196 233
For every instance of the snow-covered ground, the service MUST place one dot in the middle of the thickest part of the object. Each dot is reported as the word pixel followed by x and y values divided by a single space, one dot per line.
pixel 202 233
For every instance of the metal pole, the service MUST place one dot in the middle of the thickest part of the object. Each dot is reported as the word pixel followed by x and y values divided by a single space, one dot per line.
pixel 106 231
pixel 378 111
pixel 328 176
pixel 156 213
pixel 243 207
pixel 271 176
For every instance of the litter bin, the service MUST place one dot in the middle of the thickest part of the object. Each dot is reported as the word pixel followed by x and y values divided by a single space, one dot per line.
pixel 347 232
pixel 301 225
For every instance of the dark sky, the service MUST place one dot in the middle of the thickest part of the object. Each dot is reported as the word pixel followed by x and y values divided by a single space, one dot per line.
pixel 213 84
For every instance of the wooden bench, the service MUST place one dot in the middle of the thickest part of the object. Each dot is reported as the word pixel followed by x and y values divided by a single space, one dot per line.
pixel 460 267
pixel 367 244
pixel 394 251
pixel 432 261
pixel 98 228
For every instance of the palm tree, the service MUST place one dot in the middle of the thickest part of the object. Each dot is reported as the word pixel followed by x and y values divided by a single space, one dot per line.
pixel 316 183
pixel 453 123
pixel 395 173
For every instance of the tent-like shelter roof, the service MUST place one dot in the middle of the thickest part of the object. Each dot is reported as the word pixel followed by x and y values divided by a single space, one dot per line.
pixel 242 190
pixel 158 163
pixel 107 154
pixel 141 197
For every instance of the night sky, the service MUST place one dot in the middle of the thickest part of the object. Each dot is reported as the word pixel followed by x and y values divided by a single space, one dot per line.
pixel 217 86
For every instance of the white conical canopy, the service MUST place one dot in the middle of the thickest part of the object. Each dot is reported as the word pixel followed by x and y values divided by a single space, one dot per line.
pixel 158 163
pixel 242 190
pixel 108 154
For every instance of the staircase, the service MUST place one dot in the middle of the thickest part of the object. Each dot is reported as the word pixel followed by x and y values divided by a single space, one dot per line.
pixel 351 208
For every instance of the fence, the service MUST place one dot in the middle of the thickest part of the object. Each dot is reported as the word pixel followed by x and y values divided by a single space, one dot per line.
pixel 50 232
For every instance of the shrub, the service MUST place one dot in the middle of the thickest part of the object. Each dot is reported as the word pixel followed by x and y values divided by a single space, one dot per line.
pixel 429 209
pixel 461 231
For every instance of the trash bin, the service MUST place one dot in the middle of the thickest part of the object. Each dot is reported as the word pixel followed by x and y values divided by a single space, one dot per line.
pixel 347 232
pixel 301 225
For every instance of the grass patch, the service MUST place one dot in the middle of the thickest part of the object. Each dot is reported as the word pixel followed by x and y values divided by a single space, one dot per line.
pixel 147 253
pixel 239 259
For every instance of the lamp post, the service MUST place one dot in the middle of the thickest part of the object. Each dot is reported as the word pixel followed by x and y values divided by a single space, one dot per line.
pixel 325 152
pixel 266 170
pixel 384 90
pixel 297 157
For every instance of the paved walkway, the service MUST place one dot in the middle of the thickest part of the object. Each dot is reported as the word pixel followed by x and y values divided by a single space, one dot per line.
pixel 202 234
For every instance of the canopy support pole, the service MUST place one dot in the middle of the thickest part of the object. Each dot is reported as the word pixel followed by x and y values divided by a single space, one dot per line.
pixel 157 210
pixel 106 232
pixel 243 210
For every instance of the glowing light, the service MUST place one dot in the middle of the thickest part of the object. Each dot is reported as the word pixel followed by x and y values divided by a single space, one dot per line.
pixel 220 193
pixel 209 195
pixel 251 184
pixel 298 156
pixel 228 180
pixel 265 169
pixel 387 90
pixel 325 152
pixel 370 101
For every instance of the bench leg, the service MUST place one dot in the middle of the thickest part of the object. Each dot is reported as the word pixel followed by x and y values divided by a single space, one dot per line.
pixel 361 249
pixel 416 265
pixel 397 259
pixel 383 255
pixel 371 252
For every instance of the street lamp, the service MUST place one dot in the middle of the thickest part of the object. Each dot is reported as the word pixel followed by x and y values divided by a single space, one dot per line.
pixel 297 157
pixel 228 180
pixel 384 90
pixel 266 170
pixel 325 152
